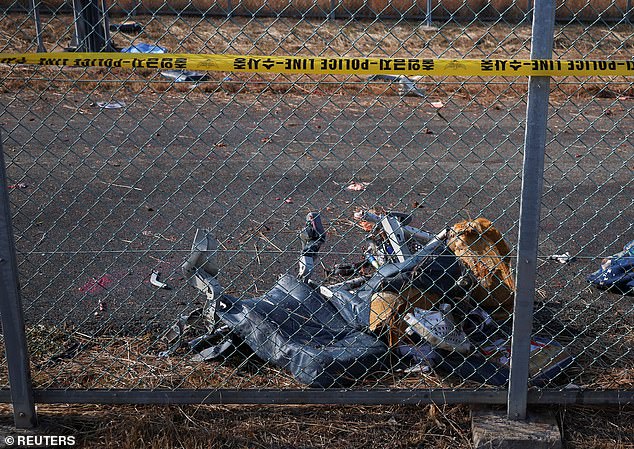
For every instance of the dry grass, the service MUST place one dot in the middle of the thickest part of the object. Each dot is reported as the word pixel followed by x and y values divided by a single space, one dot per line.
pixel 66 359
pixel 597 428
pixel 116 362
pixel 284 36
pixel 460 9
pixel 259 427
pixel 276 427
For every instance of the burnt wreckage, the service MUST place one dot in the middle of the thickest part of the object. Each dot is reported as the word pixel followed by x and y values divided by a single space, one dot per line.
pixel 419 302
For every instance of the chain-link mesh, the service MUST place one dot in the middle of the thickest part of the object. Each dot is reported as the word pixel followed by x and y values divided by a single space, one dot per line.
pixel 587 212
pixel 113 172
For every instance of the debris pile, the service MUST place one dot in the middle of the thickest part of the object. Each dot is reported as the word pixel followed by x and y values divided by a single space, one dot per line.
pixel 417 303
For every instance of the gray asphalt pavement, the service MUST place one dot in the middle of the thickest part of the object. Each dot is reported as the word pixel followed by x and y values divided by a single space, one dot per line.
pixel 112 194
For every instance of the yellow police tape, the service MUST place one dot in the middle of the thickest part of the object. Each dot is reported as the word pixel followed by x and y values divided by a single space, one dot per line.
pixel 326 65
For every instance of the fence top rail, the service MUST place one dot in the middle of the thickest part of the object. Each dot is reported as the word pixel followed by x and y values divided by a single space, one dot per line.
pixel 319 396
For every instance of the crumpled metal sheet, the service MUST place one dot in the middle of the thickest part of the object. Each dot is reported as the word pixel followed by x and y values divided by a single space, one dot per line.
pixel 295 328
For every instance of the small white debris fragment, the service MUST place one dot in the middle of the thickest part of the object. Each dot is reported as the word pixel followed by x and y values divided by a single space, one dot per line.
pixel 155 282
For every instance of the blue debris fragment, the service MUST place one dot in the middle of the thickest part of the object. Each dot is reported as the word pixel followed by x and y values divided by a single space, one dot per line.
pixel 144 48
pixel 616 272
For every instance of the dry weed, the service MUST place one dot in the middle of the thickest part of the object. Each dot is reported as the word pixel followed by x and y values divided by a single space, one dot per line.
pixel 288 36
pixel 275 427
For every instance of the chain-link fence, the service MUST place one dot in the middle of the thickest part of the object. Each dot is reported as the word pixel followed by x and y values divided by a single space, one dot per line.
pixel 114 174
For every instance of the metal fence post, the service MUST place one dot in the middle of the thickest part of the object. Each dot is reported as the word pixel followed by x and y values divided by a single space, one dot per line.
pixel 35 8
pixel 428 19
pixel 92 30
pixel 331 14
pixel 12 317
pixel 530 206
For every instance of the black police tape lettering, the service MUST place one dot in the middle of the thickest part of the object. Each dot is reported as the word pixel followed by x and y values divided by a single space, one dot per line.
pixel 158 63
pixel 162 63
pixel 331 64
pixel 299 64
pixel 592 65
pixel 83 62
pixel 53 61
pixel 344 64
pixel 246 63
pixel 93 62
pixel 545 64
pixel 166 63
pixel 501 65
pixel 108 62
pixel 21 60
